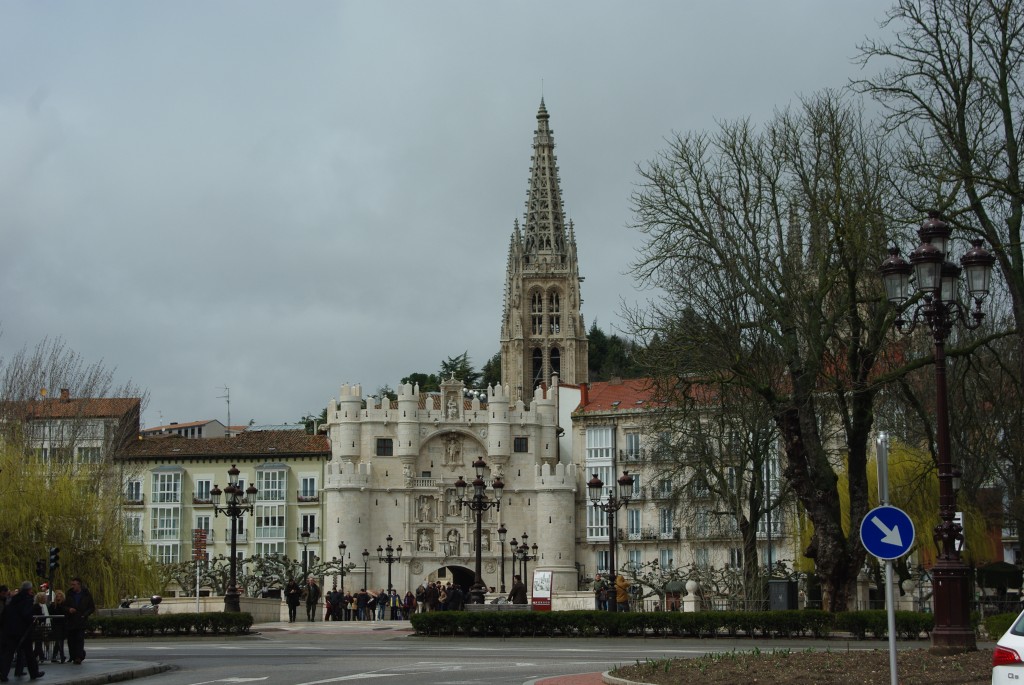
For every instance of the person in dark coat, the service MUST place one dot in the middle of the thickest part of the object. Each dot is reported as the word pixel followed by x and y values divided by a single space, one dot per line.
pixel 292 597
pixel 79 607
pixel 518 593
pixel 312 599
pixel 16 627
pixel 58 609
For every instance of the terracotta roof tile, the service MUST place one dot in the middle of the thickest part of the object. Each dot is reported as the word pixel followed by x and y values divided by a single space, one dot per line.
pixel 633 393
pixel 84 407
pixel 249 443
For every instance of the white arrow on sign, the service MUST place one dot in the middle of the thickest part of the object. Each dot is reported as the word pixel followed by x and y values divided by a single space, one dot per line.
pixel 892 535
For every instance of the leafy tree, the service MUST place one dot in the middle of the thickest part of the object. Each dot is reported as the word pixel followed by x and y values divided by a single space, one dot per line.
pixel 314 421
pixel 766 245
pixel 462 369
pixel 492 371
pixel 610 356
pixel 427 382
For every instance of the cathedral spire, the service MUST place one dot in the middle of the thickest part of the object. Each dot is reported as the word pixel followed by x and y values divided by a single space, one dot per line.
pixel 542 331
pixel 545 223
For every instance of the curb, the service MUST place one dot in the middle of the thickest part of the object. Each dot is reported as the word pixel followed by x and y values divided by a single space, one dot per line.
pixel 119 676
pixel 609 679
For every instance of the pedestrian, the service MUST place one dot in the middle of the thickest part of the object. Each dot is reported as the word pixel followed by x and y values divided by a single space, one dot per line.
pixel 16 628
pixel 396 605
pixel 442 597
pixel 518 593
pixel 421 602
pixel 382 603
pixel 58 610
pixel 621 593
pixel 42 627
pixel 362 604
pixel 456 600
pixel 430 597
pixel 600 593
pixel 312 599
pixel 410 604
pixel 292 597
pixel 350 607
pixel 80 606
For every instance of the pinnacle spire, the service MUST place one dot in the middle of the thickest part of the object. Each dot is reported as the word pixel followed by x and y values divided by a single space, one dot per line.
pixel 544 221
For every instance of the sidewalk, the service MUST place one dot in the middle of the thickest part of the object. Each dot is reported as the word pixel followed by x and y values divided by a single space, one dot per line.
pixel 92 672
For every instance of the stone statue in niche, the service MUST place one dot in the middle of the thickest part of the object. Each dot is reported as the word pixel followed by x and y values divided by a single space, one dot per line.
pixel 453 450
pixel 498 471
pixel 407 474
pixel 423 541
pixel 426 508
pixel 453 539
pixel 453 406
pixel 485 540
pixel 453 502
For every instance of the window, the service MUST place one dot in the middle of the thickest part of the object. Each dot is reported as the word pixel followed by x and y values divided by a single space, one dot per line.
pixel 88 455
pixel 556 361
pixel 701 525
pixel 599 445
pixel 203 523
pixel 602 561
pixel 665 522
pixel 635 558
pixel 665 558
pixel 202 491
pixel 736 557
pixel 270 548
pixel 133 527
pixel 165 552
pixel 597 524
pixel 133 491
pixel 308 557
pixel 521 445
pixel 307 489
pixel 166 487
pixel 269 521
pixel 554 313
pixel 309 524
pixel 271 485
pixel 632 446
pixel 165 523
pixel 633 523
pixel 385 447
pixel 636 485
pixel 702 556
pixel 538 366
pixel 665 487
pixel 537 313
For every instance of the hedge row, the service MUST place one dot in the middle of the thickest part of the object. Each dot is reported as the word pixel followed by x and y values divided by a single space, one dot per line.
pixel 802 623
pixel 998 624
pixel 207 623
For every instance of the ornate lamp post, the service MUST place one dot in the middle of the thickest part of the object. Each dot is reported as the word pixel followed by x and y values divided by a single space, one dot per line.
pixel 479 503
pixel 389 555
pixel 236 505
pixel 523 555
pixel 366 558
pixel 341 552
pixel 502 533
pixel 305 554
pixel 595 488
pixel 938 307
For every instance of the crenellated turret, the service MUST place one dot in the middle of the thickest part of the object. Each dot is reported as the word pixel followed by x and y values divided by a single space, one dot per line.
pixel 343 423
pixel 408 432
pixel 499 434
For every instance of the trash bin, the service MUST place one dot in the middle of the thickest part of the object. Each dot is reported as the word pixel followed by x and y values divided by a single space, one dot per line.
pixel 782 595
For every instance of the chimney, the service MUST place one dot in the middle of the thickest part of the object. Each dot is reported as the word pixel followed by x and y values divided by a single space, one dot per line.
pixel 65 394
pixel 584 394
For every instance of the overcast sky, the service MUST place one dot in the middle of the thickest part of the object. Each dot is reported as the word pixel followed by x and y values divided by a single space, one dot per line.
pixel 281 197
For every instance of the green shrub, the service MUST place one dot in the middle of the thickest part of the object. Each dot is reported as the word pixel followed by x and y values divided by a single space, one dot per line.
pixel 998 624
pixel 147 625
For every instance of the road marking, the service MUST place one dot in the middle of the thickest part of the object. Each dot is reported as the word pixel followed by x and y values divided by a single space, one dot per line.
pixel 354 676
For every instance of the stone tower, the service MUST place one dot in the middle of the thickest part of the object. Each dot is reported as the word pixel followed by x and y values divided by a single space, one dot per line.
pixel 542 330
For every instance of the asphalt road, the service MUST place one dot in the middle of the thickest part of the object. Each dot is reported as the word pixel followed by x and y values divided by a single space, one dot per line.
pixel 322 653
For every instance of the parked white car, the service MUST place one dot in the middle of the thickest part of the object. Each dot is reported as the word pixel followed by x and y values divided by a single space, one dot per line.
pixel 1008 657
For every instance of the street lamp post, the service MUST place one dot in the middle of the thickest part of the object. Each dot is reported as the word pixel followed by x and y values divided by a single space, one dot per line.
pixel 305 554
pixel 502 533
pixel 341 552
pixel 595 488
pixel 939 308
pixel 366 558
pixel 237 504
pixel 479 503
pixel 522 555
pixel 389 555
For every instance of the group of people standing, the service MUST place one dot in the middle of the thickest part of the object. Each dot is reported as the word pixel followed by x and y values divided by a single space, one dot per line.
pixel 611 596
pixel 35 625
pixel 346 606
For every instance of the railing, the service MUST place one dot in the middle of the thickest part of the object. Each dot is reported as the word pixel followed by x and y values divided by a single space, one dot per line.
pixel 241 536
pixel 424 482
pixel 314 535
pixel 649 534
pixel 631 455
pixel 306 497
pixel 201 500
pixel 134 501
pixel 135 538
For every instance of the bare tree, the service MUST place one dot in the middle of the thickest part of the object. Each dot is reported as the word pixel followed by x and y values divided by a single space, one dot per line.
pixel 766 245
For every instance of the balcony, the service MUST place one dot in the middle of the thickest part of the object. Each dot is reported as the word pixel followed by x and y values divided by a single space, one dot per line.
pixel 134 500
pixel 631 455
pixel 314 535
pixel 197 500
pixel 424 482
pixel 240 537
pixel 134 538
pixel 648 534
pixel 307 497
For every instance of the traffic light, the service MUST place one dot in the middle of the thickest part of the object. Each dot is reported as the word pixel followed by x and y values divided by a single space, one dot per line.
pixel 41 568
pixel 54 558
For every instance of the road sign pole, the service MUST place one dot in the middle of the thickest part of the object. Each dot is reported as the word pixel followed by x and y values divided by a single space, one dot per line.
pixel 890 592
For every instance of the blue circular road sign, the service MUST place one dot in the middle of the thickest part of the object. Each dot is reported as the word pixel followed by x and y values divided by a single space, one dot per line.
pixel 887 532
